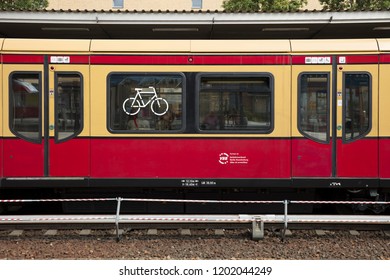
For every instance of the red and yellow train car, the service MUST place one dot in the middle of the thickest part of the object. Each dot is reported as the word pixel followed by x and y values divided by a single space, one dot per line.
pixel 226 119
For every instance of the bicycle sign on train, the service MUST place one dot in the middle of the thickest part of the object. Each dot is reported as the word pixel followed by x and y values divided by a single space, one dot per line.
pixel 133 105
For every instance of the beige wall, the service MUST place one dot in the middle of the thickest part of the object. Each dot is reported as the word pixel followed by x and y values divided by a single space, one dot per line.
pixel 313 5
pixel 154 5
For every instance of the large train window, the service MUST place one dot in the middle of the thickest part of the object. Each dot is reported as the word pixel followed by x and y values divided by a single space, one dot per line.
pixel 313 106
pixel 235 103
pixel 357 105
pixel 69 105
pixel 145 102
pixel 25 105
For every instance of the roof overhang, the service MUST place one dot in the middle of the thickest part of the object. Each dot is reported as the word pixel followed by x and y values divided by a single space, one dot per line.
pixel 194 25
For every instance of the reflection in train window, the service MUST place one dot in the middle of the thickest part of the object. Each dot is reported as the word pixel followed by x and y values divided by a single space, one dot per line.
pixel 313 106
pixel 68 110
pixel 357 105
pixel 235 103
pixel 145 102
pixel 25 106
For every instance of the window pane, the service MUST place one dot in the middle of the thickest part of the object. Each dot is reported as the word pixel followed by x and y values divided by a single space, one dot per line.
pixel 68 105
pixel 117 3
pixel 145 102
pixel 235 103
pixel 356 105
pixel 313 101
pixel 25 105
pixel 196 4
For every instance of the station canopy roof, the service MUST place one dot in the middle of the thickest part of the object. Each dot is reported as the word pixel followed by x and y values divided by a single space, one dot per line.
pixel 92 24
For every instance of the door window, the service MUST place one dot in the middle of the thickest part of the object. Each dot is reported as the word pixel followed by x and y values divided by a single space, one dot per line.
pixel 68 110
pixel 313 106
pixel 25 106
pixel 357 105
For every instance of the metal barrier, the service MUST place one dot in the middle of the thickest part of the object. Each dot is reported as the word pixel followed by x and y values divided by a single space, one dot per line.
pixel 257 221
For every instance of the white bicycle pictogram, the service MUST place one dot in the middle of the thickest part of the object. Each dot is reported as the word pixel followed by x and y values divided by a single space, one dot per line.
pixel 133 105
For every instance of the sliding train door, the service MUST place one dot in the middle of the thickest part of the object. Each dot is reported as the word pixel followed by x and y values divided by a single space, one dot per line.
pixel 357 122
pixel 68 117
pixel 312 141
pixel 46 118
pixel 334 124
pixel 24 151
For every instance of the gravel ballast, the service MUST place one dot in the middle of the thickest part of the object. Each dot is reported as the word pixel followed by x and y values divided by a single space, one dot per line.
pixel 200 245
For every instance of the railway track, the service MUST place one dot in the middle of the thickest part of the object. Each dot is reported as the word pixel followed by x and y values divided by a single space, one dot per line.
pixel 19 232
pixel 257 222
pixel 189 241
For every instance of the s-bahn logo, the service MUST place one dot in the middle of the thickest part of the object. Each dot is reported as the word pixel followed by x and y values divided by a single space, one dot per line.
pixel 223 158
pixel 233 158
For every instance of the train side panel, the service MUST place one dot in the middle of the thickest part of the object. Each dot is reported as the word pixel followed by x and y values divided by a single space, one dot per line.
pixel 1 113
pixel 384 112
pixel 45 109
pixel 335 105
pixel 192 151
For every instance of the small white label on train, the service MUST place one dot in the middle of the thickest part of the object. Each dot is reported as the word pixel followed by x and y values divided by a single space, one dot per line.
pixel 318 60
pixel 60 59
pixel 342 60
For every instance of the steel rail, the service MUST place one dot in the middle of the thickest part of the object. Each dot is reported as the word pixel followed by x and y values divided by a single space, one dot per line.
pixel 257 221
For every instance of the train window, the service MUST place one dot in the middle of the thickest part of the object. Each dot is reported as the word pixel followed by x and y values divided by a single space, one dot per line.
pixel 150 102
pixel 313 106
pixel 235 103
pixel 357 105
pixel 25 105
pixel 69 105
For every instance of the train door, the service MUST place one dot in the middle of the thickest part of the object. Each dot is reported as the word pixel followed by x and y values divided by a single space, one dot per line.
pixel 68 118
pixel 334 123
pixel 23 139
pixel 357 117
pixel 45 117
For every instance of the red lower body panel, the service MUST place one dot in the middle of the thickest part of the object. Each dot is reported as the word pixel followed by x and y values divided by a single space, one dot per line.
pixel 311 159
pixel 22 158
pixel 1 157
pixel 26 159
pixel 358 159
pixel 195 158
pixel 384 158
pixel 190 158
pixel 70 158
